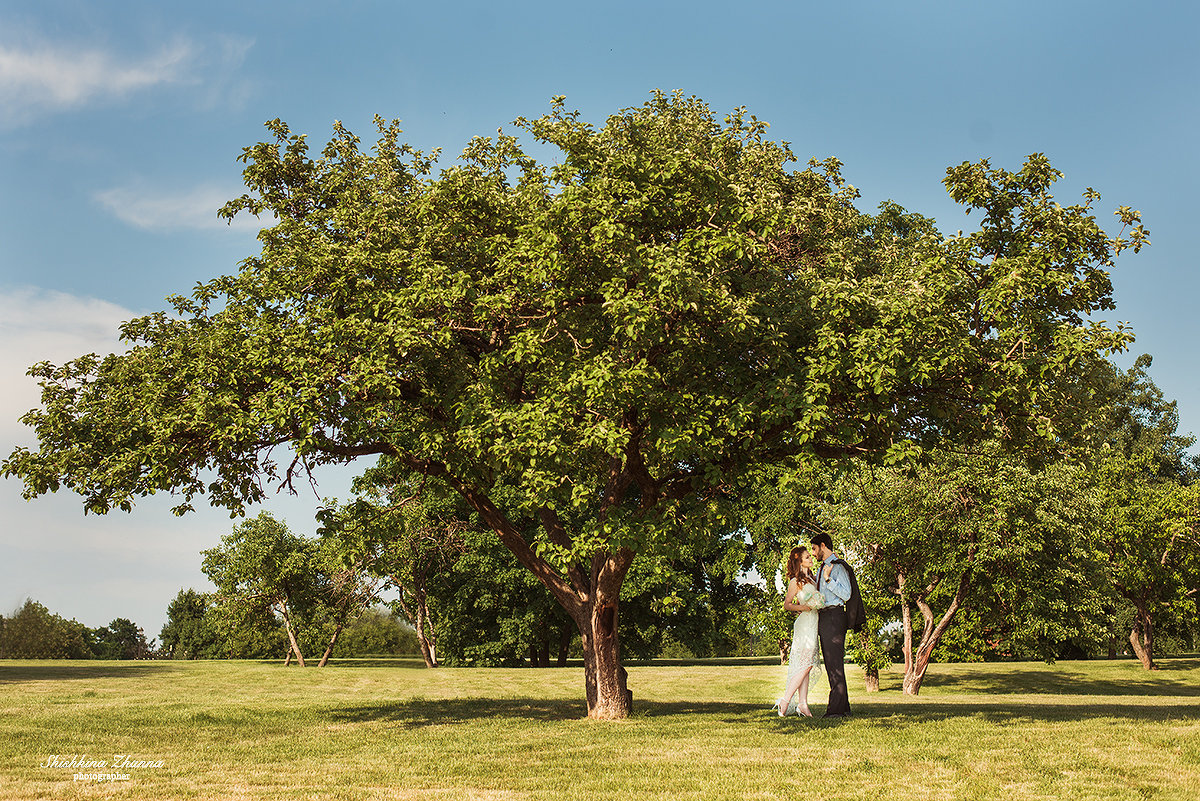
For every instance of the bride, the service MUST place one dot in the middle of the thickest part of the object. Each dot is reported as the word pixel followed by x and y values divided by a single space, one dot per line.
pixel 802 597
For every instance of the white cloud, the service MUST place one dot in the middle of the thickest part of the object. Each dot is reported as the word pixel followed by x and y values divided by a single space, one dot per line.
pixel 39 325
pixel 43 78
pixel 47 77
pixel 156 208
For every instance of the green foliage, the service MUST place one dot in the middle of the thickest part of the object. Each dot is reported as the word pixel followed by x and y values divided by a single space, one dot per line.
pixel 667 289
pixel 377 632
pixel 491 610
pixel 34 632
pixel 191 631
pixel 122 639
pixel 1150 528
pixel 985 536
pixel 616 336
pixel 261 563
pixel 870 649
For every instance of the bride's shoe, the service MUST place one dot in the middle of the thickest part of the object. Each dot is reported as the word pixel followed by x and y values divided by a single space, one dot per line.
pixel 803 711
pixel 779 708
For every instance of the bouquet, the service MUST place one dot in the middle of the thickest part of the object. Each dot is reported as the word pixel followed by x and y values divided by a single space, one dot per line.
pixel 815 600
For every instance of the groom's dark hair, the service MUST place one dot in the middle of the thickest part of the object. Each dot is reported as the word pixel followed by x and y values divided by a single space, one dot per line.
pixel 821 538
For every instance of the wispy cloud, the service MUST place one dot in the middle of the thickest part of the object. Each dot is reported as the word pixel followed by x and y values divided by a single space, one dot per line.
pixel 164 209
pixel 49 77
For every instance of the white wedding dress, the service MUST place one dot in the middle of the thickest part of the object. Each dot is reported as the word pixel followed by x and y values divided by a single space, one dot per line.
pixel 805 651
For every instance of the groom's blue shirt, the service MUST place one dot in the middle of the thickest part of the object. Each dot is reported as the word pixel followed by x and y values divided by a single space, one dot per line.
pixel 837 589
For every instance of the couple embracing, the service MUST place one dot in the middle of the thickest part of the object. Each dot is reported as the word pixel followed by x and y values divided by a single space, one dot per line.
pixel 820 598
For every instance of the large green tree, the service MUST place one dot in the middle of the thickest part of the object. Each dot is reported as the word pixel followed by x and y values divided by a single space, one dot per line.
pixel 617 334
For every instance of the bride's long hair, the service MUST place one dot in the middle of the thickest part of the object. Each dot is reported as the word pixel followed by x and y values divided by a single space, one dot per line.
pixel 795 569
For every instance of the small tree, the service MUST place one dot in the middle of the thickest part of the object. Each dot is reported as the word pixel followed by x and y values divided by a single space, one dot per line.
pixel 122 639
pixel 975 531
pixel 869 650
pixel 261 560
pixel 377 632
pixel 1151 532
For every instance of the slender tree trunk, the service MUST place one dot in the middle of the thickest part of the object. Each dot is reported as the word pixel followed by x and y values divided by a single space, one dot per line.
pixel 329 648
pixel 1141 637
pixel 288 661
pixel 872 680
pixel 916 663
pixel 425 633
pixel 905 623
pixel 287 624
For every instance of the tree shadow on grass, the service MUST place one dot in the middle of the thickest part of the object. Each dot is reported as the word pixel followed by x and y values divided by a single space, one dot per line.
pixel 899 715
pixel 14 671
pixel 1172 679
pixel 893 713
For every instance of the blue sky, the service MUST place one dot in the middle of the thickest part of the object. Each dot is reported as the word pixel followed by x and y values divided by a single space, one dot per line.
pixel 120 125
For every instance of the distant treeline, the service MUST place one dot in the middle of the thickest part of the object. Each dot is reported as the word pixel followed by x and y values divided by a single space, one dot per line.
pixel 34 632
pixel 195 630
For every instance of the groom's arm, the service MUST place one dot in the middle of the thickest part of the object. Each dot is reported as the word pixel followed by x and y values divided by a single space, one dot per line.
pixel 836 588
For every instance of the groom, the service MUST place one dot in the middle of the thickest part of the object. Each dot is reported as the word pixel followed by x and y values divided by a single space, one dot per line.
pixel 834 583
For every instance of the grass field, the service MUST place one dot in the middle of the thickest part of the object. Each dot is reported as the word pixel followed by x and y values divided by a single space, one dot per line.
pixel 249 730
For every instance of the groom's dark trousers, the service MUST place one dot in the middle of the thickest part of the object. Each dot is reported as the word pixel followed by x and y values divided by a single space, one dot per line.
pixel 831 628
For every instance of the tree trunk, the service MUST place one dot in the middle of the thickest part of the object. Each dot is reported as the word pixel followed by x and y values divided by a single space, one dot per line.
pixel 605 679
pixel 1141 637
pixel 872 678
pixel 287 624
pixel 916 663
pixel 591 601
pixel 329 648
pixel 288 660
pixel 425 638
pixel 564 645
pixel 785 649
pixel 905 624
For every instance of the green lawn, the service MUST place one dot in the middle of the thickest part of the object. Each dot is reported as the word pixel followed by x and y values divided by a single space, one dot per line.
pixel 249 730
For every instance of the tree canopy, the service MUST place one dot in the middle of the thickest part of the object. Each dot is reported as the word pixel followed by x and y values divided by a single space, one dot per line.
pixel 617 334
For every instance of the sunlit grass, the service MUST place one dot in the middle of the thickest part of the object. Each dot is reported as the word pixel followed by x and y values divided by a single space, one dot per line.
pixel 1088 730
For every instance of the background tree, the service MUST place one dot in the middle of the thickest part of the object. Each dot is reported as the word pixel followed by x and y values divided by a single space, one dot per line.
pixel 378 632
pixel 1151 516
pixel 344 588
pixel 981 532
pixel 190 631
pixel 262 561
pixel 617 336
pixel 122 639
pixel 1151 532
pixel 246 628
pixel 404 530
pixel 34 632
